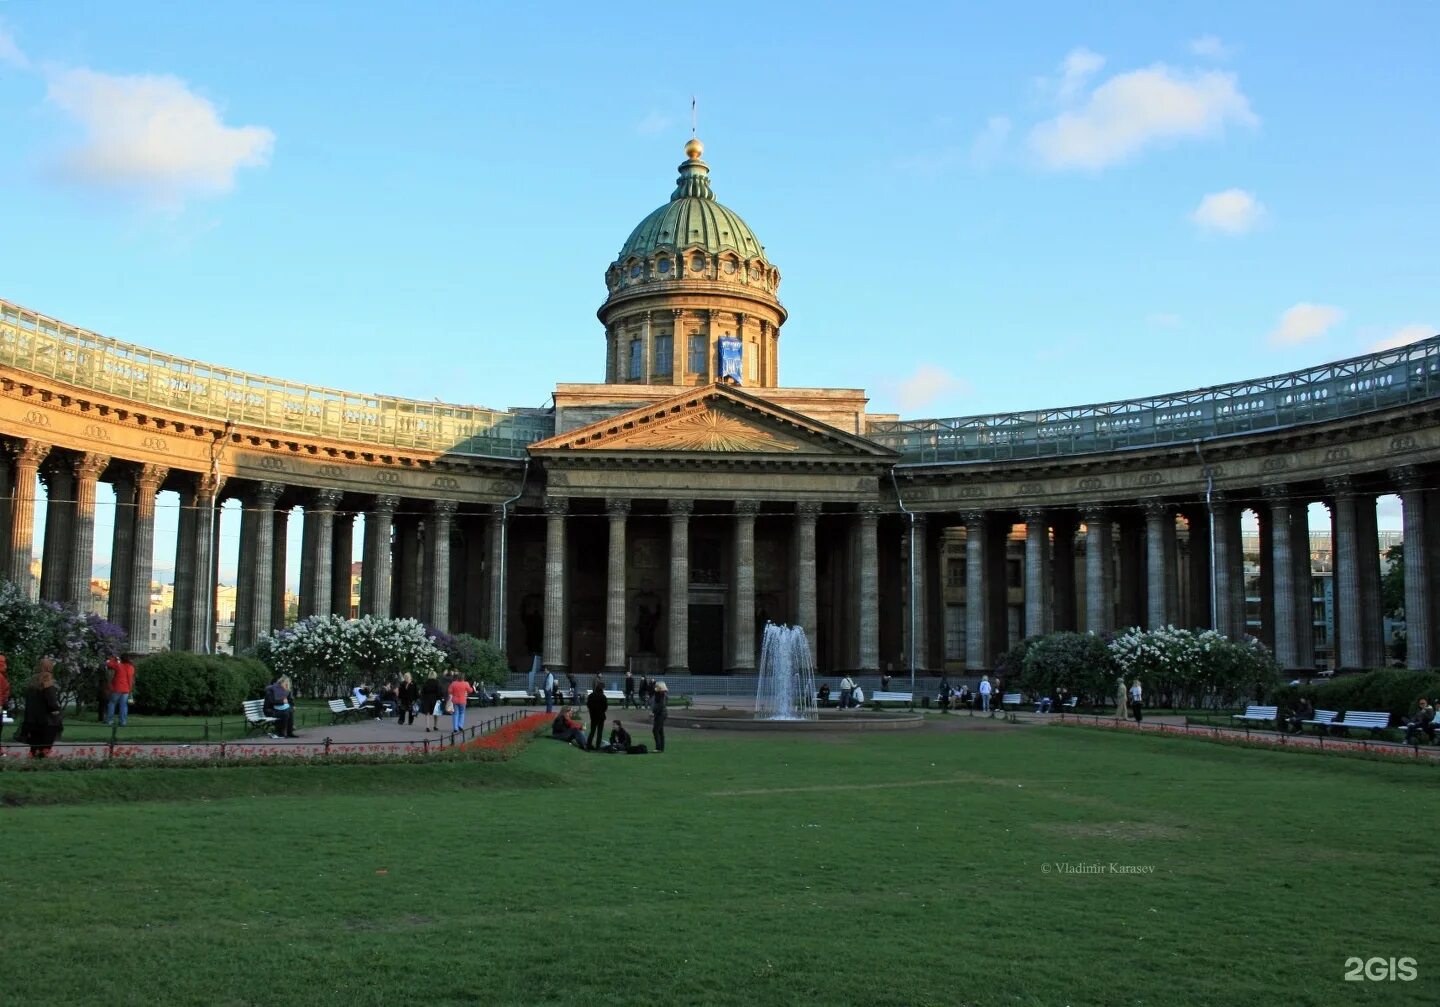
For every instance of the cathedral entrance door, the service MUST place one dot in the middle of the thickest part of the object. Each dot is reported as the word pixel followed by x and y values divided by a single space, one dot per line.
pixel 707 639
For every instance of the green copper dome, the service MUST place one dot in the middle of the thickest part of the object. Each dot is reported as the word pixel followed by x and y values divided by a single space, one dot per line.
pixel 693 218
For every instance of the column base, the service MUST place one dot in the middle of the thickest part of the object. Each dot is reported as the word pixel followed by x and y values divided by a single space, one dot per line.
pixel 614 669
pixel 750 670
pixel 678 669
pixel 559 669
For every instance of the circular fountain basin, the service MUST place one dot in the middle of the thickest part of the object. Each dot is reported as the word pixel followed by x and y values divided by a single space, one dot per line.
pixel 828 721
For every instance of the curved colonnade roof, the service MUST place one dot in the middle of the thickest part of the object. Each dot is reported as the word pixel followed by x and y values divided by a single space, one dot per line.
pixel 41 345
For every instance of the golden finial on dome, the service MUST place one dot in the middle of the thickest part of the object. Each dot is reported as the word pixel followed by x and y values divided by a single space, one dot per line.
pixel 694 149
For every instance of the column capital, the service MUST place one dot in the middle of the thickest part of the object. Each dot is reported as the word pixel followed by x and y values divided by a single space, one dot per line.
pixel 1340 486
pixel 28 451
pixel 869 510
pixel 919 518
pixel 149 477
pixel 1276 492
pixel 808 509
pixel 1032 515
pixel 681 508
pixel 327 499
pixel 444 509
pixel 53 471
pixel 1094 513
pixel 1155 507
pixel 747 508
pixel 557 506
pixel 268 494
pixel 89 466
pixel 1407 477
pixel 677 312
pixel 974 519
pixel 617 507
pixel 386 503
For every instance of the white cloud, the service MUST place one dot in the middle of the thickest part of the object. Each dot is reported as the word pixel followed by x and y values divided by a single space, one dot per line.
pixel 1304 323
pixel 655 122
pixel 1138 109
pixel 1210 47
pixel 152 136
pixel 927 384
pixel 990 142
pixel 1233 211
pixel 10 54
pixel 1405 335
pixel 1076 70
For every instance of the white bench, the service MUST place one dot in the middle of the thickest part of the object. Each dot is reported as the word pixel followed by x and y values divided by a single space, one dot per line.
pixel 1370 720
pixel 506 695
pixel 876 698
pixel 339 711
pixel 1256 714
pixel 1322 718
pixel 255 718
pixel 1010 699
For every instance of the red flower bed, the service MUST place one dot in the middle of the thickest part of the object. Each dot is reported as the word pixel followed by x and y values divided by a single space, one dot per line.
pixel 512 735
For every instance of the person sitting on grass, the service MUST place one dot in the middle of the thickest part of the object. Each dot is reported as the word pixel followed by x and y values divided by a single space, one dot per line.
pixel 619 738
pixel 566 729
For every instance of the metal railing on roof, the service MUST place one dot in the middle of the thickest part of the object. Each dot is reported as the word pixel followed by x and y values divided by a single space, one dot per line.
pixel 44 346
pixel 1358 385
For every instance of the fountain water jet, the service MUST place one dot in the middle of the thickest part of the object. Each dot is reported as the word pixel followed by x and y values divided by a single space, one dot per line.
pixel 785 686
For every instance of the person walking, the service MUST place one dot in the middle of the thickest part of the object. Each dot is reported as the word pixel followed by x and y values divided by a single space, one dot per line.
pixel 122 682
pixel 460 691
pixel 1120 698
pixel 597 705
pixel 549 692
pixel 629 687
pixel 1137 703
pixel 431 700
pixel 985 690
pixel 660 709
pixel 407 696
pixel 44 716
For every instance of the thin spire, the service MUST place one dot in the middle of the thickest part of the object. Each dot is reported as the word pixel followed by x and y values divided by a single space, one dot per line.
pixel 693 120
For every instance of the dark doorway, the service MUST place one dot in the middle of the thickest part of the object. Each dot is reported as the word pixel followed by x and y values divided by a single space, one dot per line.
pixel 707 639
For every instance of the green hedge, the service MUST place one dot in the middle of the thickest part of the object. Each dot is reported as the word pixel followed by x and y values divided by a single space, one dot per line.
pixel 197 684
pixel 1392 689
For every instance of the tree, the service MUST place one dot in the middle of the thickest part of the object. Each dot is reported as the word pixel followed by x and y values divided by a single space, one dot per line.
pixel 1392 583
pixel 325 654
pixel 80 644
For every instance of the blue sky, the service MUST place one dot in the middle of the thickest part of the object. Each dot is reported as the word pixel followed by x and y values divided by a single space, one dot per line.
pixel 973 210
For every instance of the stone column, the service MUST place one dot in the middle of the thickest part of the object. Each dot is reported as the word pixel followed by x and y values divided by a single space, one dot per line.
pixel 1266 632
pixel 59 479
pixel 678 348
pixel 186 565
pixel 1099 571
pixel 1037 568
pixel 1062 566
pixel 25 466
pixel 868 616
pixel 262 584
pixel 1282 561
pixel 279 567
pixel 1229 572
pixel 1159 562
pixel 1302 579
pixel 122 541
pixel 647 349
pixel 342 557
pixel 406 568
pixel 5 491
pixel 497 578
pixel 1420 629
pixel 1131 566
pixel 678 640
pixel 147 484
pixel 976 622
pixel 375 567
pixel 916 597
pixel 742 623
pixel 317 574
pixel 555 612
pixel 202 598
pixel 1372 622
pixel 1346 547
pixel 82 544
pixel 438 528
pixel 615 621
pixel 1199 547
pixel 806 608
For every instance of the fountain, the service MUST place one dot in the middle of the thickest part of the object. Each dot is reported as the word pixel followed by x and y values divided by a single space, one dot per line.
pixel 785 687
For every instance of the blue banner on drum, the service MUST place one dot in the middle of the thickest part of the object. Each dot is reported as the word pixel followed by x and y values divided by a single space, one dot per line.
pixel 729 348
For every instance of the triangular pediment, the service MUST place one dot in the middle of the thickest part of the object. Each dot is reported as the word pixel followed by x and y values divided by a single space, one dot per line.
pixel 715 419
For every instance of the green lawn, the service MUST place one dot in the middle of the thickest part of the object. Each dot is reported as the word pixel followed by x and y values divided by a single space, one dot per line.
pixel 145 728
pixel 881 869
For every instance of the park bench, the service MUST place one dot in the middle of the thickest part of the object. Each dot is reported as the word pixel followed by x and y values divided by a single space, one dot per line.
pixel 339 711
pixel 1322 719
pixel 506 695
pixel 1257 715
pixel 1010 699
pixel 1071 705
pixel 876 698
pixel 1370 720
pixel 255 717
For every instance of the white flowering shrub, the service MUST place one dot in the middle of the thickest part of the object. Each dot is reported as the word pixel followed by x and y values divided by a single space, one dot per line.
pixel 1182 667
pixel 325 654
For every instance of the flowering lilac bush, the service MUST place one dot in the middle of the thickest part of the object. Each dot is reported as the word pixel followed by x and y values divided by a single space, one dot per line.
pixel 1182 667
pixel 325 654
pixel 79 643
